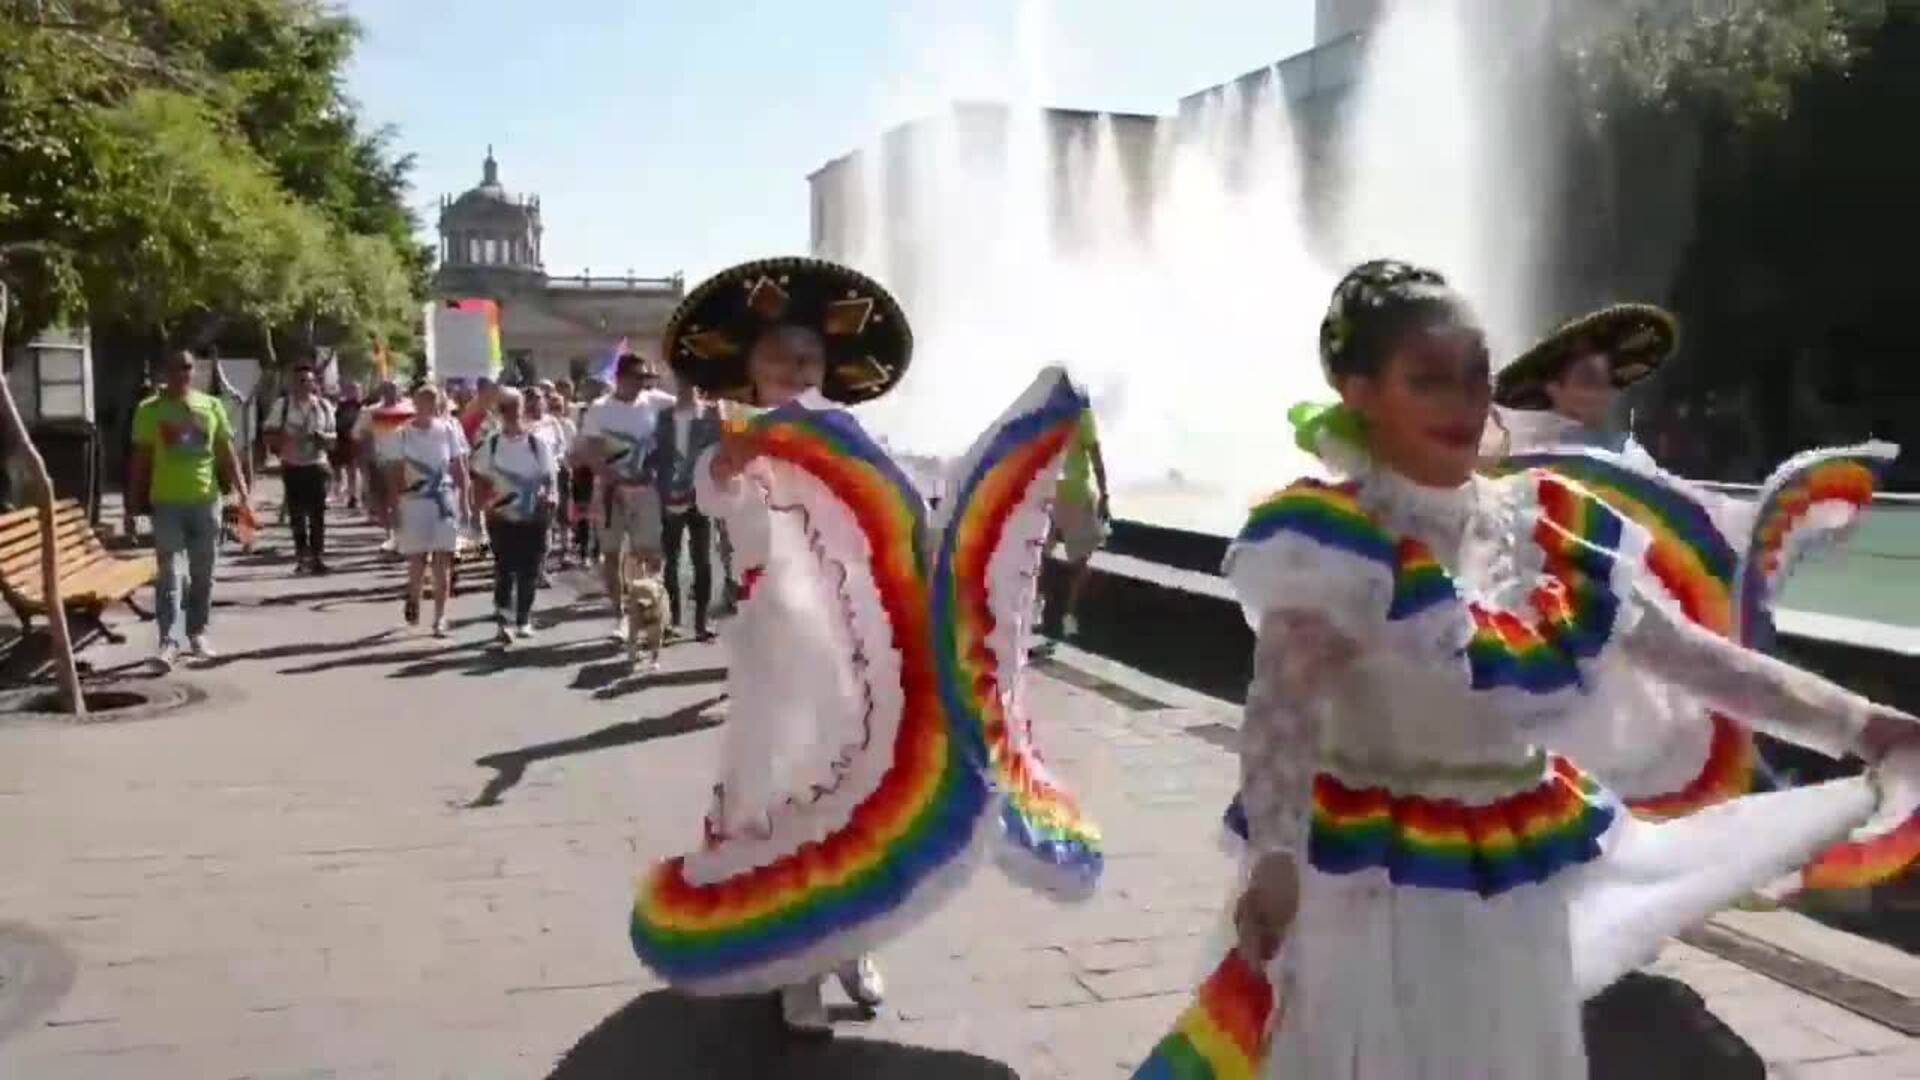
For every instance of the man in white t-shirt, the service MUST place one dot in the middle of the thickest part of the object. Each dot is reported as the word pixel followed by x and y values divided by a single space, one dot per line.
pixel 616 440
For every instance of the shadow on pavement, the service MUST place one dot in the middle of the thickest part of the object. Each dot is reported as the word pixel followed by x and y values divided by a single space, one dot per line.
pixel 616 677
pixel 294 650
pixel 511 766
pixel 1651 1027
pixel 669 1036
pixel 491 659
pixel 362 594
pixel 391 656
pixel 634 683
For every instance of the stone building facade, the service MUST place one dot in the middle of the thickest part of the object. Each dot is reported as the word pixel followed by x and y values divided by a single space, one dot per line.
pixel 550 325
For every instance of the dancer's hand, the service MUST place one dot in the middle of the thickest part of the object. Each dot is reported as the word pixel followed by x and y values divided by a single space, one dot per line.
pixel 1266 909
pixel 735 453
pixel 1886 728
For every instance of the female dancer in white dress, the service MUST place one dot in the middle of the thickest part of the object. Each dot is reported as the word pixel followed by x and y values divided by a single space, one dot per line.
pixel 1434 889
pixel 875 740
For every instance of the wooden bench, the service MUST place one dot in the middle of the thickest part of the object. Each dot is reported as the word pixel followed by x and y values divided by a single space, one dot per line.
pixel 92 579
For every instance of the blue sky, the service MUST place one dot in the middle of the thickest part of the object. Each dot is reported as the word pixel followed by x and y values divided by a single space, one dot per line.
pixel 676 135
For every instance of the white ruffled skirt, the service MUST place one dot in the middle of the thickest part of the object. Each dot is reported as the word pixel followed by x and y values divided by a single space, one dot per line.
pixel 1385 982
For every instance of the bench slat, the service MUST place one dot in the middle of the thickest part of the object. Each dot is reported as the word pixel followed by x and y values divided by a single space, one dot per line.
pixel 12 518
pixel 91 576
pixel 16 560
pixel 75 536
pixel 27 560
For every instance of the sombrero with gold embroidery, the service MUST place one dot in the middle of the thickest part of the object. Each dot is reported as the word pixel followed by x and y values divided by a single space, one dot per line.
pixel 866 334
pixel 1635 339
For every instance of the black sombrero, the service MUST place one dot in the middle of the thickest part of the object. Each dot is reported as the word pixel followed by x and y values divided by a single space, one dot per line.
pixel 1635 339
pixel 867 337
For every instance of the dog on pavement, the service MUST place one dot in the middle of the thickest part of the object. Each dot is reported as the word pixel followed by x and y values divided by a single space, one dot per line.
pixel 643 598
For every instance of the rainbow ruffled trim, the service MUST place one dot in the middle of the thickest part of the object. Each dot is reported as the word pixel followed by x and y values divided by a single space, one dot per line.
pixel 1539 652
pixel 1049 840
pixel 1574 608
pixel 1694 563
pixel 1688 554
pixel 919 822
pixel 1861 864
pixel 1810 501
pixel 1328 514
pixel 1223 1034
pixel 1485 848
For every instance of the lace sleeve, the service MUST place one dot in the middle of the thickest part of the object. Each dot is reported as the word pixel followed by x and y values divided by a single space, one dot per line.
pixel 1294 655
pixel 1767 694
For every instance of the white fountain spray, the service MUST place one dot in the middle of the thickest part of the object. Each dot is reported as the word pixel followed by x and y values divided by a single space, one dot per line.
pixel 1441 155
pixel 1197 327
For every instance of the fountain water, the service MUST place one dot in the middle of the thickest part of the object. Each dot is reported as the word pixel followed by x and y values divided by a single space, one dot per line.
pixel 1166 261
pixel 1441 158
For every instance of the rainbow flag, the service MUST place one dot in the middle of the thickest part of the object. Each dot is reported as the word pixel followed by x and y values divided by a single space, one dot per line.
pixel 1223 1034
pixel 605 371
pixel 495 358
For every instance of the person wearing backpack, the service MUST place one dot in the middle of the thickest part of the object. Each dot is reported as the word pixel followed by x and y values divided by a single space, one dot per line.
pixel 516 471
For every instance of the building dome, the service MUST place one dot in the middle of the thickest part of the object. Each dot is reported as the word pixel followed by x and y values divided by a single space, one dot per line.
pixel 485 227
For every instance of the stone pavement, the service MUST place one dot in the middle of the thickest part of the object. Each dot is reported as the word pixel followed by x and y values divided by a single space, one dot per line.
pixel 371 855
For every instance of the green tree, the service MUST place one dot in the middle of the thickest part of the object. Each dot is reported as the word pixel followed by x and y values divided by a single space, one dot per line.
pixel 1741 57
pixel 180 166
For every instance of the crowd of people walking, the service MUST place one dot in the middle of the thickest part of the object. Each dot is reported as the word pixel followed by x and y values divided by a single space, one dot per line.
pixel 537 477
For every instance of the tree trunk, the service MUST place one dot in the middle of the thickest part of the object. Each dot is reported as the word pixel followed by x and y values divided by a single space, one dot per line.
pixel 64 668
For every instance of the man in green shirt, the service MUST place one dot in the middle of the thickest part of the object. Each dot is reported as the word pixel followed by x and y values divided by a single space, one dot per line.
pixel 182 449
pixel 1080 516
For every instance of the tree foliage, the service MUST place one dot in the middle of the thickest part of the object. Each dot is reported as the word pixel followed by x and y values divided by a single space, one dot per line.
pixel 184 167
pixel 1740 57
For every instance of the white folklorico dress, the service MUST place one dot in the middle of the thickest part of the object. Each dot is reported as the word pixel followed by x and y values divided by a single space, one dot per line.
pixel 1464 888
pixel 876 742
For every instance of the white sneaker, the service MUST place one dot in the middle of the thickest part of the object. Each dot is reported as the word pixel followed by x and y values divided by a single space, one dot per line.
pixel 200 648
pixel 619 631
pixel 805 1011
pixel 524 631
pixel 167 655
pixel 503 635
pixel 862 983
pixel 1070 626
pixel 439 628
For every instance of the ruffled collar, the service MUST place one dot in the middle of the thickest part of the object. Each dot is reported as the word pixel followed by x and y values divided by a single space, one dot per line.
pixel 1438 517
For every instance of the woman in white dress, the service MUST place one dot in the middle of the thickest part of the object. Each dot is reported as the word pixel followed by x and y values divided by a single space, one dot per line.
pixel 875 740
pixel 427 494
pixel 793 699
pixel 1433 889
